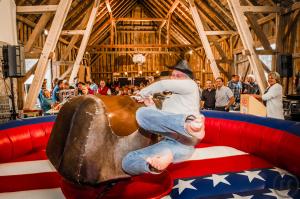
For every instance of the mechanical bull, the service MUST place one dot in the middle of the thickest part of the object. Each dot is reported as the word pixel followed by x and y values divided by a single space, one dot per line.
pixel 91 136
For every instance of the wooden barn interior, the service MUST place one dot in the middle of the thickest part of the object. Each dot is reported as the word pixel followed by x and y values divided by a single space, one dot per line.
pixel 140 99
pixel 97 40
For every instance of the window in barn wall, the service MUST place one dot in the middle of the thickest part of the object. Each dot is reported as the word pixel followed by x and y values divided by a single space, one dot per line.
pixel 267 59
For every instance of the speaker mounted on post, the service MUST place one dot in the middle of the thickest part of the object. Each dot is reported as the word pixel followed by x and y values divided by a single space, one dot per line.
pixel 13 61
pixel 285 65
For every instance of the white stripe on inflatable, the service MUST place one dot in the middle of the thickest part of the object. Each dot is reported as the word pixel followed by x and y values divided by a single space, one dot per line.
pixel 34 194
pixel 215 152
pixel 27 167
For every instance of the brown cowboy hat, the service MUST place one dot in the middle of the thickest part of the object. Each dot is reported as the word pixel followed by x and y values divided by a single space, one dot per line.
pixel 184 67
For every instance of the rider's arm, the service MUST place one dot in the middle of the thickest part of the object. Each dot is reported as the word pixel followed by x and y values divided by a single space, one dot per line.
pixel 172 85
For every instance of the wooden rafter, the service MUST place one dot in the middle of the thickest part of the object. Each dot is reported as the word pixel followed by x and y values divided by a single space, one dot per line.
pixel 291 23
pixel 36 9
pixel 112 21
pixel 260 9
pixel 173 7
pixel 204 39
pixel 84 41
pixel 72 32
pixel 124 46
pixel 75 38
pixel 258 31
pixel 103 22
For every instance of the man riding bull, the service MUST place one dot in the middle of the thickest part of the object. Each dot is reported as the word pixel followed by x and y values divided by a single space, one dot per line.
pixel 179 122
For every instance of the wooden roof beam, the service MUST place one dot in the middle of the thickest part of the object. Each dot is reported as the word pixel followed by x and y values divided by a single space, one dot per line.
pixel 137 19
pixel 173 7
pixel 215 33
pixel 133 51
pixel 291 23
pixel 72 32
pixel 32 24
pixel 36 9
pixel 204 39
pixel 260 9
pixel 258 31
pixel 124 46
pixel 111 19
pixel 84 41
pixel 75 17
pixel 214 15
pixel 75 38
pixel 221 7
pixel 96 35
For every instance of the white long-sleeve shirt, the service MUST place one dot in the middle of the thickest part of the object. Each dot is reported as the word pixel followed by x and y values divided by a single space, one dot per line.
pixel 184 99
pixel 273 99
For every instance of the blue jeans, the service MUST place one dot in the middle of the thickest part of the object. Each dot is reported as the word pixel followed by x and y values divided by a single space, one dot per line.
pixel 162 123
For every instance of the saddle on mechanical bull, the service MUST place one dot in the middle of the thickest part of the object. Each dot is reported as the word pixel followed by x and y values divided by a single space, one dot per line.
pixel 91 136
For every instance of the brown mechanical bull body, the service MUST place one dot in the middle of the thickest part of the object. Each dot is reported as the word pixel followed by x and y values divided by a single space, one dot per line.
pixel 91 135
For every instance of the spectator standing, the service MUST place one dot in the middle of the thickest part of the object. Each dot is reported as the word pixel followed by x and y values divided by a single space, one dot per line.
pixel 236 87
pixel 59 86
pixel 273 96
pixel 250 86
pixel 224 96
pixel 208 98
pixel 199 87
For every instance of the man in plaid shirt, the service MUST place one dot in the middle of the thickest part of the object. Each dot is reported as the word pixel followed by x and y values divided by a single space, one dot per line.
pixel 236 86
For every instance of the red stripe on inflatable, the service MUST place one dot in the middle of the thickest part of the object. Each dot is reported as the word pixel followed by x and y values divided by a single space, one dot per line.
pixel 276 146
pixel 19 141
pixel 216 166
pixel 29 182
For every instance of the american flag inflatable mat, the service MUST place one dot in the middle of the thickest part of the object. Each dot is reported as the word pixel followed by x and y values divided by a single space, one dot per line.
pixel 217 169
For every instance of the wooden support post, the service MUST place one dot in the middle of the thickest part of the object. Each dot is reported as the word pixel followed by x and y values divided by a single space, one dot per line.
pixel 168 30
pixel 204 39
pixel 49 46
pixel 248 43
pixel 84 42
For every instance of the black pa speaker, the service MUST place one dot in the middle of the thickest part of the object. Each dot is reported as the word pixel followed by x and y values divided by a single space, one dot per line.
pixel 285 65
pixel 13 61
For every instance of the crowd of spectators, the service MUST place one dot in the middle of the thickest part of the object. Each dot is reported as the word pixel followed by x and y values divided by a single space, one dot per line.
pixel 224 98
pixel 214 96
pixel 50 99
